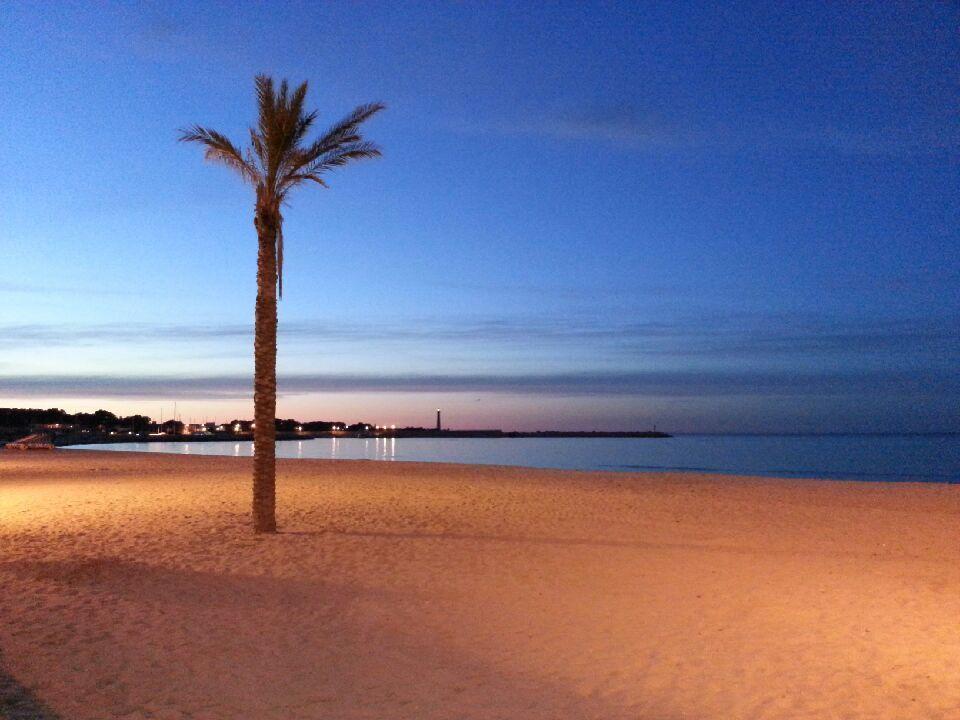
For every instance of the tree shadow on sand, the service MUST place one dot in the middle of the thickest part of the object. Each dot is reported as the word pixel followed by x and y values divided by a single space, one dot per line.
pixel 18 702
pixel 695 546
pixel 338 651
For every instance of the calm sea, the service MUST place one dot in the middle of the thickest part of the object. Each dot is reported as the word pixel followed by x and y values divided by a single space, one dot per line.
pixel 928 458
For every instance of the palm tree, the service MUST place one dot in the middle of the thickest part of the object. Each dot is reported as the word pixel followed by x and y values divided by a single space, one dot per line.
pixel 276 162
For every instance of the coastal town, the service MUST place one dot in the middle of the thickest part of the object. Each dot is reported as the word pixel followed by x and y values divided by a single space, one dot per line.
pixel 54 427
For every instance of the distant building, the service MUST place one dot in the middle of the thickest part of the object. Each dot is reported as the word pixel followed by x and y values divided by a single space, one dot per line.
pixel 171 427
pixel 439 426
pixel 54 426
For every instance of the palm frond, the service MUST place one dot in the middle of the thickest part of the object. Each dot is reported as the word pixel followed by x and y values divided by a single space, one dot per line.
pixel 304 123
pixel 295 106
pixel 258 150
pixel 270 117
pixel 219 149
pixel 291 126
pixel 265 102
pixel 345 131
pixel 329 161
pixel 341 137
pixel 295 179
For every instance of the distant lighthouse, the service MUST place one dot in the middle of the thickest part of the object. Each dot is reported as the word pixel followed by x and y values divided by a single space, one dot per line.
pixel 439 427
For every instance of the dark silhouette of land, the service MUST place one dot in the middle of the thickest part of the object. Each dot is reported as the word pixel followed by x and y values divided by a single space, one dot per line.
pixel 103 426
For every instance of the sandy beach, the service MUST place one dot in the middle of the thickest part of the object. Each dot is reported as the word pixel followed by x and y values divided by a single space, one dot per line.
pixel 131 586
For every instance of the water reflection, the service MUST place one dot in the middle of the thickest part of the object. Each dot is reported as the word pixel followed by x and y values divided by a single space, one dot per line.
pixel 386 448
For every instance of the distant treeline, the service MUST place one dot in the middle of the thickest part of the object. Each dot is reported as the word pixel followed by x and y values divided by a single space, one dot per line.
pixel 29 418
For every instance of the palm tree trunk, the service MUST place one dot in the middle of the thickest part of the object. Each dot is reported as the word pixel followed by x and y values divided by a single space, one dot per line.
pixel 265 381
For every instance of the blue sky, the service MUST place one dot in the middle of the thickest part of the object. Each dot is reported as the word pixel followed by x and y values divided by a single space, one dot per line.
pixel 712 217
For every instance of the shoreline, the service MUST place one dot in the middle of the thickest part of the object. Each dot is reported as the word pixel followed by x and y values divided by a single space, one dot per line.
pixel 134 587
pixel 104 439
pixel 719 474
pixel 440 465
pixel 623 468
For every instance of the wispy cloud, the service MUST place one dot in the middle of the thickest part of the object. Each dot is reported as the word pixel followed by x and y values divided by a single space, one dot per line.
pixel 66 335
pixel 719 336
pixel 624 125
pixel 800 338
pixel 635 129
pixel 573 291
pixel 649 383
pixel 168 36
